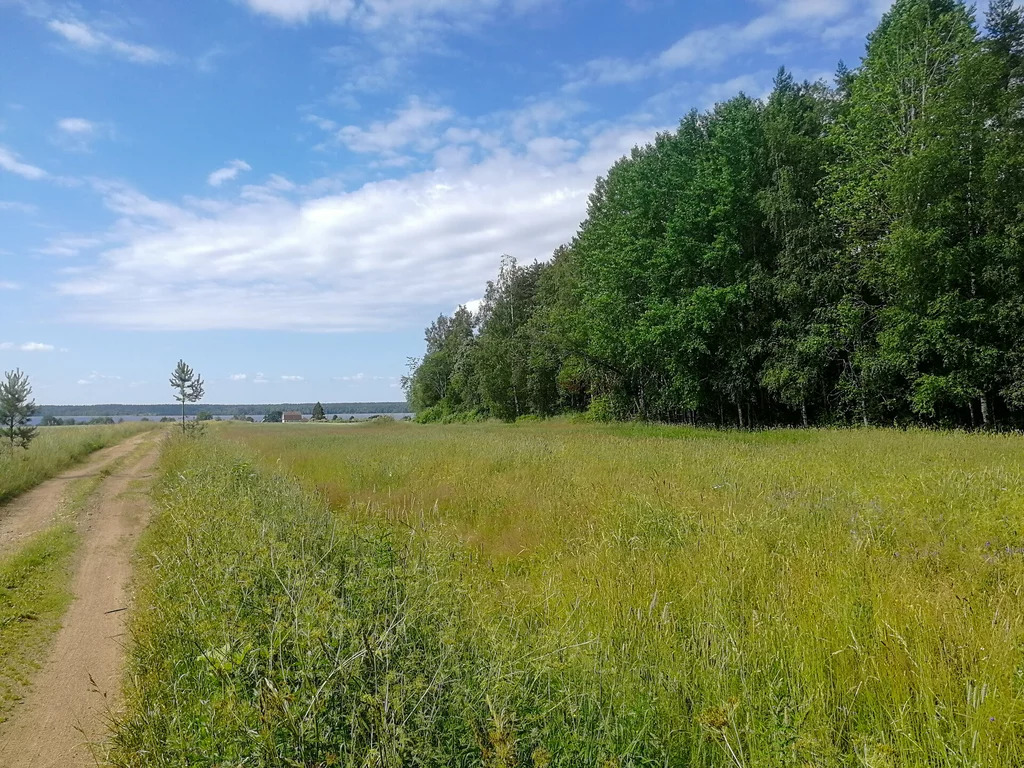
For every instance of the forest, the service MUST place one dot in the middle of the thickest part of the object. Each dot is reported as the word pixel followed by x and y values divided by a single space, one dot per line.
pixel 845 253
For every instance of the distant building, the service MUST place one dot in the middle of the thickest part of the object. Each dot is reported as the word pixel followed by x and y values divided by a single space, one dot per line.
pixel 291 416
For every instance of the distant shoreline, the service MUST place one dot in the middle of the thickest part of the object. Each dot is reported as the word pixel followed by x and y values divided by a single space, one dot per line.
pixel 215 409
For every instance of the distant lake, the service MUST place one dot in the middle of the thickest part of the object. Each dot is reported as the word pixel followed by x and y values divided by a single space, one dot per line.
pixel 255 417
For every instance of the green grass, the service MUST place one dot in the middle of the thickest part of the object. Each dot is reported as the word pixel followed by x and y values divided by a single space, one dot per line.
pixel 568 594
pixel 33 596
pixel 55 449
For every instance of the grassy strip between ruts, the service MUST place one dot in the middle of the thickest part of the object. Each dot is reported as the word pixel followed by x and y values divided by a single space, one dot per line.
pixel 33 596
pixel 792 599
pixel 55 449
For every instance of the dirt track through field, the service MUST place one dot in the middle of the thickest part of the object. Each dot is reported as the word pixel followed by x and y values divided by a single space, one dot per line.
pixel 36 509
pixel 66 709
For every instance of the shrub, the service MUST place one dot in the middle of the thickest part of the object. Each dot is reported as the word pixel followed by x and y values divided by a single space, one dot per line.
pixel 601 408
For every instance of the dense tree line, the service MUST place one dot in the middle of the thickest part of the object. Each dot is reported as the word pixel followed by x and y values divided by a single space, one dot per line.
pixel 833 254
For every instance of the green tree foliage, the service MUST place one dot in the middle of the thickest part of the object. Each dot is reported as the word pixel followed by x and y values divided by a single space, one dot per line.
pixel 446 376
pixel 845 254
pixel 273 416
pixel 318 412
pixel 16 406
pixel 187 386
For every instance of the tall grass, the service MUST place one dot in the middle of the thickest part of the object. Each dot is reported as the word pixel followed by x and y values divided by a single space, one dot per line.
pixel 54 449
pixel 561 594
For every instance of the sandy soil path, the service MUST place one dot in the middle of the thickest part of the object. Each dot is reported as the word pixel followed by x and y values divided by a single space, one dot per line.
pixel 34 510
pixel 67 707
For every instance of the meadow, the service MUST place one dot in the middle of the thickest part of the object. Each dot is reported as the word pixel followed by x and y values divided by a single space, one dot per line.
pixel 555 593
pixel 54 449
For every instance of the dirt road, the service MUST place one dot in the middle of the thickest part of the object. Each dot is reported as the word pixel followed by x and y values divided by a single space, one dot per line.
pixel 36 509
pixel 65 710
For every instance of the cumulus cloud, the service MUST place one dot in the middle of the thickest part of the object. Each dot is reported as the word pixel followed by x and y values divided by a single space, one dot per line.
pixel 7 285
pixel 293 378
pixel 238 377
pixel 473 305
pixel 88 38
pixel 28 346
pixel 9 162
pixel 375 257
pixel 227 173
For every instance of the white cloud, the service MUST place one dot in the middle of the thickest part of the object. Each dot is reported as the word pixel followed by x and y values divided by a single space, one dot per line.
pixel 7 285
pixel 227 173
pixel 95 378
pixel 293 378
pixel 609 71
pixel 381 256
pixel 14 205
pixel 9 162
pixel 76 125
pixel 823 20
pixel 409 127
pixel 323 123
pixel 28 346
pixel 385 15
pixel 473 305
pixel 69 245
pixel 88 38
pixel 238 377
pixel 77 134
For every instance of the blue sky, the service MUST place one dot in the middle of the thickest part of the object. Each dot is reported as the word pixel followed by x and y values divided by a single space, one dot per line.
pixel 285 192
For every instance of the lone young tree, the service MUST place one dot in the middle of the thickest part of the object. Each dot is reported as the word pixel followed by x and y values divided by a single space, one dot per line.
pixel 15 409
pixel 318 412
pixel 188 387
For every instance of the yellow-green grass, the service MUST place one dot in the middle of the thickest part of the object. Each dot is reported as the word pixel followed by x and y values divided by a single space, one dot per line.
pixel 33 596
pixel 54 449
pixel 574 594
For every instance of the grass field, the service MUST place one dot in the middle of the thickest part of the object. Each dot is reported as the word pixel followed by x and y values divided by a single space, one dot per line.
pixel 55 449
pixel 563 594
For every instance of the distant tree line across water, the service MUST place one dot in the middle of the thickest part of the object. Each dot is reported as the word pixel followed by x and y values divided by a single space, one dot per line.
pixel 194 409
pixel 850 253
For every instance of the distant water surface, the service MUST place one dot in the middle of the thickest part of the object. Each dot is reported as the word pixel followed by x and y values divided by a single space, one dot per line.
pixel 255 417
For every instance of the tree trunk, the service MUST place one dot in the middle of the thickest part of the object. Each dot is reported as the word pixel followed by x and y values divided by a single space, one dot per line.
pixel 739 413
pixel 183 415
pixel 803 412
pixel 985 420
